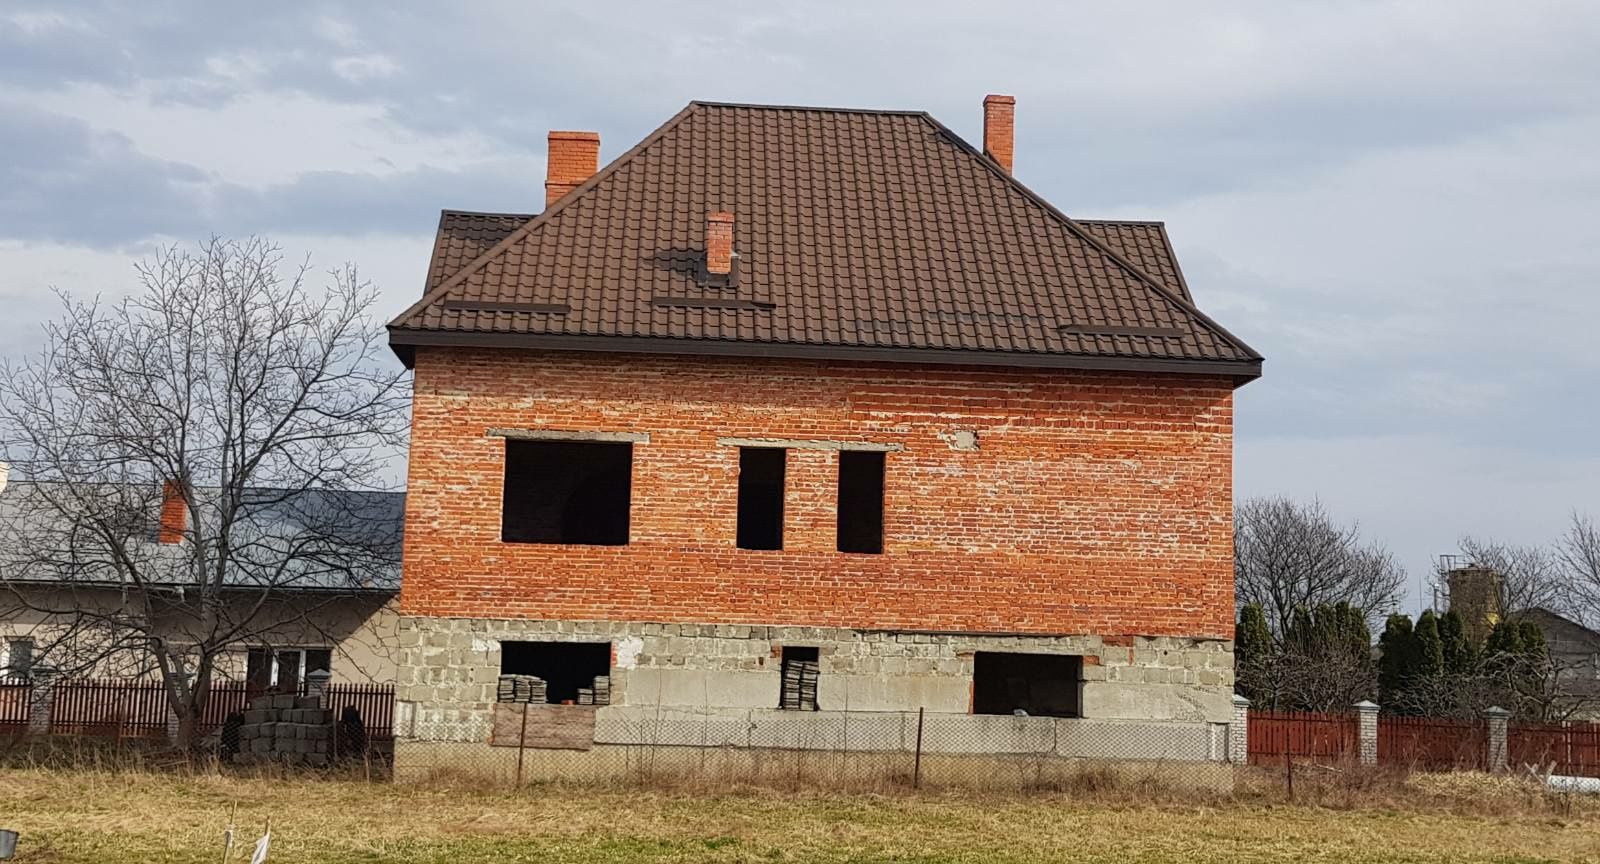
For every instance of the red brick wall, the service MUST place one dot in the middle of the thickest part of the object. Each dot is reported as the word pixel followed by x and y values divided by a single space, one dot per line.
pixel 1095 502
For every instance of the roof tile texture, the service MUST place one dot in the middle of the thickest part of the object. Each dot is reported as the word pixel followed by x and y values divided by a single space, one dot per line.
pixel 869 229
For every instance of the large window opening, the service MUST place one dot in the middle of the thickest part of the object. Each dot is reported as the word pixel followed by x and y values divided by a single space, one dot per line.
pixel 567 492
pixel 578 673
pixel 860 501
pixel 800 672
pixel 761 497
pixel 1039 685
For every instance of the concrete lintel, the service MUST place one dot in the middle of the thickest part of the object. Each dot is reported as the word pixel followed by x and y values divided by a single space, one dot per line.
pixel 567 435
pixel 811 444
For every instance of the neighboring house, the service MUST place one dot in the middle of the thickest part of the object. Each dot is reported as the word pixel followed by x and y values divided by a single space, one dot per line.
pixel 814 408
pixel 1575 652
pixel 59 609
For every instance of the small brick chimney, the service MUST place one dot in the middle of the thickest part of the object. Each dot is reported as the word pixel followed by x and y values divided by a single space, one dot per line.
pixel 573 158
pixel 719 242
pixel 174 514
pixel 999 113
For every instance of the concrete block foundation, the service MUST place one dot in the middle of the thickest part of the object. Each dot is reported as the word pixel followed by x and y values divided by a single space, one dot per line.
pixel 715 687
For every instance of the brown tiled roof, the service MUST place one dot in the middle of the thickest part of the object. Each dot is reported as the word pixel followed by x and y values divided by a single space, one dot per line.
pixel 867 234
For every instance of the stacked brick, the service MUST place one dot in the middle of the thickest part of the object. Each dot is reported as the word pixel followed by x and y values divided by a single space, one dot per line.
pixel 287 729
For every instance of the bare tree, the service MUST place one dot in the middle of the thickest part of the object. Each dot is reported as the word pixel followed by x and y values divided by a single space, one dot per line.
pixel 229 385
pixel 1578 556
pixel 1288 555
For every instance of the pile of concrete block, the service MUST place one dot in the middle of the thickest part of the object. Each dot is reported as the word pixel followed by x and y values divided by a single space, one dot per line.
pixel 286 729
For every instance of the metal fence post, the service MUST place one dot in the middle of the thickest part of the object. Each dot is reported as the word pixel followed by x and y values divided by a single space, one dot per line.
pixel 1499 718
pixel 916 762
pixel 1367 732
pixel 522 745
pixel 1239 731
pixel 40 699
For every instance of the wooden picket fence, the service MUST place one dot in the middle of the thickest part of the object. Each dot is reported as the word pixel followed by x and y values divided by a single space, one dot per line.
pixel 1433 743
pixel 1302 736
pixel 1571 749
pixel 14 696
pixel 138 709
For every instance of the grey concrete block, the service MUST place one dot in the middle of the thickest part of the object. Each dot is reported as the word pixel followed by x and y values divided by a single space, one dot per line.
pixel 308 703
pixel 283 700
pixel 255 715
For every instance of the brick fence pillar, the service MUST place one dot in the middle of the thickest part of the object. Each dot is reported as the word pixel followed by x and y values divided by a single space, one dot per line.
pixel 1367 732
pixel 39 700
pixel 1239 731
pixel 1499 719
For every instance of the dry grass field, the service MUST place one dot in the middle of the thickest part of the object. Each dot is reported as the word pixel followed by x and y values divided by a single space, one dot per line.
pixel 89 816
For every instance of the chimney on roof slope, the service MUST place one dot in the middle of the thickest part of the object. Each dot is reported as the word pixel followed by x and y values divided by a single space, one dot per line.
pixel 719 243
pixel 573 158
pixel 999 113
pixel 174 514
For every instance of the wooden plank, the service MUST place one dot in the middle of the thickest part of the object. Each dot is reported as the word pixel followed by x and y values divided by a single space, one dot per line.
pixel 549 727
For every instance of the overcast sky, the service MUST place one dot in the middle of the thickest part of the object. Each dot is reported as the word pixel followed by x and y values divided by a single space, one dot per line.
pixel 1397 203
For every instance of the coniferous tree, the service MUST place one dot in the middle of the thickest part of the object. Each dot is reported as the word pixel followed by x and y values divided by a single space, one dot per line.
pixel 1398 646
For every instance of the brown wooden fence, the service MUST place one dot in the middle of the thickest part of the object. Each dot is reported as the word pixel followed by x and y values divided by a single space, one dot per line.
pixel 136 709
pixel 14 696
pixel 1434 743
pixel 1303 736
pixel 1571 749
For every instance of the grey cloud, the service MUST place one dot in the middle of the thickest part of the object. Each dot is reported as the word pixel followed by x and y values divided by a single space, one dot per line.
pixel 67 183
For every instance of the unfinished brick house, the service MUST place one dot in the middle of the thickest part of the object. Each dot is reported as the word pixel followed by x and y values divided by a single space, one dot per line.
pixel 796 409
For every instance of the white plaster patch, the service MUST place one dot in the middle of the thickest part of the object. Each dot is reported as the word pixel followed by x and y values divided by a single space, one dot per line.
pixel 628 648
pixel 960 439
pixel 484 645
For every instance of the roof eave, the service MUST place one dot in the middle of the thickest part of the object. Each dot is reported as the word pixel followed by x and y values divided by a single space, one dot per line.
pixel 404 341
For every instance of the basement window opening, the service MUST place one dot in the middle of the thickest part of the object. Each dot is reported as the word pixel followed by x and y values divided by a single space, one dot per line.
pixel 1038 685
pixel 557 673
pixel 761 472
pixel 860 511
pixel 800 669
pixel 567 492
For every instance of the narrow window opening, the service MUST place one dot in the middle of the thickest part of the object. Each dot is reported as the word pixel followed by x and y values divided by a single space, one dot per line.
pixel 860 501
pixel 800 673
pixel 567 492
pixel 571 673
pixel 1038 685
pixel 761 497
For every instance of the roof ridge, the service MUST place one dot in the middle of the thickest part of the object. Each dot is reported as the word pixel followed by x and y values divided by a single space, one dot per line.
pixel 827 109
pixel 1095 242
pixel 453 212
pixel 1146 222
pixel 428 298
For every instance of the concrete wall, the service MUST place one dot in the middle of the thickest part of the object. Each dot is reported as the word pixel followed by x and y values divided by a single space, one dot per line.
pixel 361 630
pixel 449 667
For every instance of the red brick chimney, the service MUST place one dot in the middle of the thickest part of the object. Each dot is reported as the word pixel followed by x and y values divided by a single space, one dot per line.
pixel 719 242
pixel 174 514
pixel 573 158
pixel 999 113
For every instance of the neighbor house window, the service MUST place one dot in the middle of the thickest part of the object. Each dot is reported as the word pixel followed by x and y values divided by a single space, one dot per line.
pixel 284 668
pixel 567 492
pixel 799 682
pixel 761 497
pixel 19 658
pixel 578 673
pixel 860 527
pixel 1038 685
